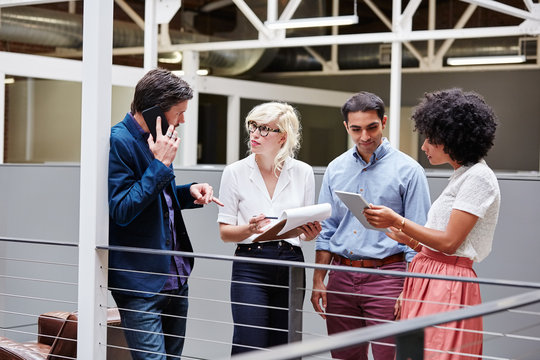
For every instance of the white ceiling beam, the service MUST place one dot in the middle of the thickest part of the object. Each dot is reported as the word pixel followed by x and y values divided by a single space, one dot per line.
pixel 386 37
pixel 412 70
pixel 459 25
pixel 270 92
pixel 289 10
pixel 8 3
pixel 379 14
pixel 388 24
pixel 504 9
pixel 131 13
pixel 253 18
pixel 45 67
pixel 529 4
pixel 408 13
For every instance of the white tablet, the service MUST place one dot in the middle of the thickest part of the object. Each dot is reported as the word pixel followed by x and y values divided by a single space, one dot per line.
pixel 356 204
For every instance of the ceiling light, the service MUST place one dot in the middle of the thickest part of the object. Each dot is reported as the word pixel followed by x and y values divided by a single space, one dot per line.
pixel 486 60
pixel 9 81
pixel 312 22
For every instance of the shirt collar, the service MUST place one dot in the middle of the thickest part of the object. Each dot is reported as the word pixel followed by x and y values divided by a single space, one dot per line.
pixel 379 153
pixel 140 130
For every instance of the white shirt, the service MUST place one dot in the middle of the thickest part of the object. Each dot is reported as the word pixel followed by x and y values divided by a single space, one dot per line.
pixel 245 195
pixel 473 189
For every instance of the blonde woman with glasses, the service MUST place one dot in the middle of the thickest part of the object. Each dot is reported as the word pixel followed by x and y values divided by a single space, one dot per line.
pixel 253 190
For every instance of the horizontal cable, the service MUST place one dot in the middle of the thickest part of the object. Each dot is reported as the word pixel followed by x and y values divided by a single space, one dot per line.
pixel 40 242
pixel 305 265
pixel 192 277
pixel 17 326
pixel 524 312
pixel 183 356
pixel 358 336
pixel 38 298
pixel 40 280
pixel 483 356
pixel 38 261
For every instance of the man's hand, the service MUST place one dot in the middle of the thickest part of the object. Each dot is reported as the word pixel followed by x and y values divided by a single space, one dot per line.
pixel 397 307
pixel 203 194
pixel 165 146
pixel 318 295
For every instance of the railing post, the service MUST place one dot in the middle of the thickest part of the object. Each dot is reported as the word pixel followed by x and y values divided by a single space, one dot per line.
pixel 410 346
pixel 296 302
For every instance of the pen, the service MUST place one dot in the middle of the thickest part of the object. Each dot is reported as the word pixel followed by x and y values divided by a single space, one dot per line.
pixel 270 217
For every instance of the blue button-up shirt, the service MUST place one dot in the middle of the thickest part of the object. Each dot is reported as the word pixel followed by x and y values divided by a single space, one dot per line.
pixel 391 178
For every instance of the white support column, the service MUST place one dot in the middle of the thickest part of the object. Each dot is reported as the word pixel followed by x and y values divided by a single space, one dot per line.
pixel 29 146
pixel 2 112
pixel 272 10
pixel 150 35
pixel 233 128
pixel 94 218
pixel 432 18
pixel 395 78
pixel 187 153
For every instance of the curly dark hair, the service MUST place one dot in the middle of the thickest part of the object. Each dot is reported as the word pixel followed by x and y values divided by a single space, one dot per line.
pixel 160 87
pixel 460 121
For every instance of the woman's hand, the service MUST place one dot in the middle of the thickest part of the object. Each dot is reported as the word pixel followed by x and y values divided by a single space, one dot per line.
pixel 257 223
pixel 310 230
pixel 382 216
pixel 400 237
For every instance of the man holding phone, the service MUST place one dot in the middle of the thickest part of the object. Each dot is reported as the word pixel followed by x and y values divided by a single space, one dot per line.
pixel 145 204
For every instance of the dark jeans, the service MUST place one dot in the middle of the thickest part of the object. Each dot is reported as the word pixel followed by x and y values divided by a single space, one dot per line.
pixel 152 325
pixel 248 288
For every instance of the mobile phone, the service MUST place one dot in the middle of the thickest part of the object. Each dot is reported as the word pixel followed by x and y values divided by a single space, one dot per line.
pixel 150 116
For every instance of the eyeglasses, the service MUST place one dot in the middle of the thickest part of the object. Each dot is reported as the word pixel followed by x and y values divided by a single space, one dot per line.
pixel 263 130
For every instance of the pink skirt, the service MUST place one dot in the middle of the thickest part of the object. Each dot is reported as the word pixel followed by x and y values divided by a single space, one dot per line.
pixel 428 296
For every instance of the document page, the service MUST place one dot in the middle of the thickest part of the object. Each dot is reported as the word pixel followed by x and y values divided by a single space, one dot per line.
pixel 287 224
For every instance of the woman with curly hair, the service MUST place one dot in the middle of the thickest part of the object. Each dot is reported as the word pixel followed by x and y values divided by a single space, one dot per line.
pixel 262 185
pixel 459 128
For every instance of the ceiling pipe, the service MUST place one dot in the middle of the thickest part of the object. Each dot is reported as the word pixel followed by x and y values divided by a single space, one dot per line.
pixel 59 29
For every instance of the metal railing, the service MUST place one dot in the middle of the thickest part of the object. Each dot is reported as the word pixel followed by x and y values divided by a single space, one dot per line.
pixel 304 341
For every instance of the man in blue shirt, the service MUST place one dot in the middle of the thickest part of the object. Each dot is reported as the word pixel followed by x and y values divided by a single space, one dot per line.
pixel 383 175
pixel 151 291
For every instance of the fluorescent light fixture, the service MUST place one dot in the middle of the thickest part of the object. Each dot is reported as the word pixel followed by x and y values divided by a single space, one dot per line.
pixel 200 72
pixel 172 58
pixel 312 22
pixel 486 60
pixel 9 81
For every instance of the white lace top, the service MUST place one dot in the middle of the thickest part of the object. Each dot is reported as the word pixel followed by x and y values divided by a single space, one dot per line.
pixel 473 189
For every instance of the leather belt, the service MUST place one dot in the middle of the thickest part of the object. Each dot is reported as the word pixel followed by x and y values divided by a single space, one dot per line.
pixel 369 263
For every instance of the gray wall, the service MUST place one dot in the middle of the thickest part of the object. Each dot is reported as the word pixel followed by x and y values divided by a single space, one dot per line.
pixel 512 94
pixel 41 202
